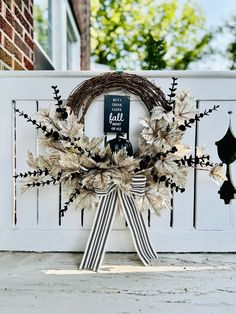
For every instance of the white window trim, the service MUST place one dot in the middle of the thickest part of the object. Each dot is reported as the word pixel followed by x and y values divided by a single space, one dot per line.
pixel 60 12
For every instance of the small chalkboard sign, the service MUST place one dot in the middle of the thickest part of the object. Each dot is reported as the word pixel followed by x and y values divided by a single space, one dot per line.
pixel 116 113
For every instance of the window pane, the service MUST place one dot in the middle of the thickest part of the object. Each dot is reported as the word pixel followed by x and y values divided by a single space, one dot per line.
pixel 70 44
pixel 69 52
pixel 43 25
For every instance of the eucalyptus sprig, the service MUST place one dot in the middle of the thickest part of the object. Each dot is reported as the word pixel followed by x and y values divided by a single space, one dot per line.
pixel 67 204
pixel 189 123
pixel 172 93
pixel 169 183
pixel 62 114
pixel 42 183
pixel 50 133
pixel 35 173
pixel 193 161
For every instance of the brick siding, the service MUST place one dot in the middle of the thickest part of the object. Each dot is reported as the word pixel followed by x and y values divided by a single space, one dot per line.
pixel 16 35
pixel 81 10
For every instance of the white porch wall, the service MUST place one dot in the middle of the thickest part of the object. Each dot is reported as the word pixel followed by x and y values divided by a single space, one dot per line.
pixel 215 229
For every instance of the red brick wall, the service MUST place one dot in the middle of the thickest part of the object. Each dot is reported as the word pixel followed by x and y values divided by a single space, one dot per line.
pixel 82 14
pixel 16 35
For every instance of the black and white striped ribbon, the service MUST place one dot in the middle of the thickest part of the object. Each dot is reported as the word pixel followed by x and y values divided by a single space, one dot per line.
pixel 95 248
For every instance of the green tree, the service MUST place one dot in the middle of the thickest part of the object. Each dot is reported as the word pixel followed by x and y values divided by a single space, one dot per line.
pixel 147 34
pixel 229 28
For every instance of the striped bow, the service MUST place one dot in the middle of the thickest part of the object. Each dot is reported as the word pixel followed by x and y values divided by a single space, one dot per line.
pixel 95 248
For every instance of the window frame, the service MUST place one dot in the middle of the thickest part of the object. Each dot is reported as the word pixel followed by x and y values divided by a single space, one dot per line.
pixel 43 58
pixel 61 11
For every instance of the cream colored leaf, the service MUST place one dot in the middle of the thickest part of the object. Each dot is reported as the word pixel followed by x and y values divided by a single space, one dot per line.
pixel 143 147
pixel 87 199
pixel 106 153
pixel 54 147
pixel 145 122
pixel 47 161
pixel 217 174
pixel 122 179
pixel 69 162
pixel 201 151
pixel 180 177
pixel 182 150
pixel 97 178
pixel 156 200
pixel 160 134
pixel 46 116
pixel 102 180
pixel 123 162
pixel 185 107
pixel 166 166
pixel 151 129
pixel 31 161
pixel 166 139
pixel 95 142
pixel 87 162
pixel 71 128
pixel 158 112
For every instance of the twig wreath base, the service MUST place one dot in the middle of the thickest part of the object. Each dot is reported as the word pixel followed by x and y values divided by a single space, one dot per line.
pixel 82 96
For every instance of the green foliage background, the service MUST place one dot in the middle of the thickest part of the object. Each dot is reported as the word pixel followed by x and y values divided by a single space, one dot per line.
pixel 230 28
pixel 147 34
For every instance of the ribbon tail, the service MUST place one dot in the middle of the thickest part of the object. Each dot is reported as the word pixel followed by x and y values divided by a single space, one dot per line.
pixel 138 229
pixel 95 248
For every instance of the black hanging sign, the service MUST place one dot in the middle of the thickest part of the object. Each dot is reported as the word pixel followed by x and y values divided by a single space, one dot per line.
pixel 116 113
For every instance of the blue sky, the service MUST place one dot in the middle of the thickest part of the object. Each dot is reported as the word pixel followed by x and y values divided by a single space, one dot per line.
pixel 216 11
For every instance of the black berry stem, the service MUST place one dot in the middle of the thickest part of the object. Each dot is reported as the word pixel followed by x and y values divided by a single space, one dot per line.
pixel 188 123
pixel 172 93
pixel 55 135
pixel 53 180
pixel 69 202
pixel 34 173
pixel 168 183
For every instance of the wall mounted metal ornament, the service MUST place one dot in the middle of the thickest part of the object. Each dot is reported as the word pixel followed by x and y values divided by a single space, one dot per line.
pixel 226 148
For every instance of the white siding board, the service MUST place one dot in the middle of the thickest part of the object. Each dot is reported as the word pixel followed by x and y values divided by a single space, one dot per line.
pixel 26 203
pixel 212 213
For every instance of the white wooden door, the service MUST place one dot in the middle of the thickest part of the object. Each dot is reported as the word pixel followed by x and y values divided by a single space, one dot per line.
pixel 200 220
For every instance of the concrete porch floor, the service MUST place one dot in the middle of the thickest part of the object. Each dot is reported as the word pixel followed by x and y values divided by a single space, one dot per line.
pixel 175 283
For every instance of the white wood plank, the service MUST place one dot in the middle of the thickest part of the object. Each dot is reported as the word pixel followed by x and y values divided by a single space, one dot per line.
pixel 119 240
pixel 26 203
pixel 161 222
pixel 183 202
pixel 212 213
pixel 6 158
pixel 48 196
pixel 183 206
pixel 160 74
pixel 232 222
pixel 182 215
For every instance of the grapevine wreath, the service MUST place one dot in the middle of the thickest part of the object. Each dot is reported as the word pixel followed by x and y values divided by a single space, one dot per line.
pixel 85 166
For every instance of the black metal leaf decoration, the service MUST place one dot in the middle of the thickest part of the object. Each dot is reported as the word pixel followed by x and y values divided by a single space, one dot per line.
pixel 226 148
